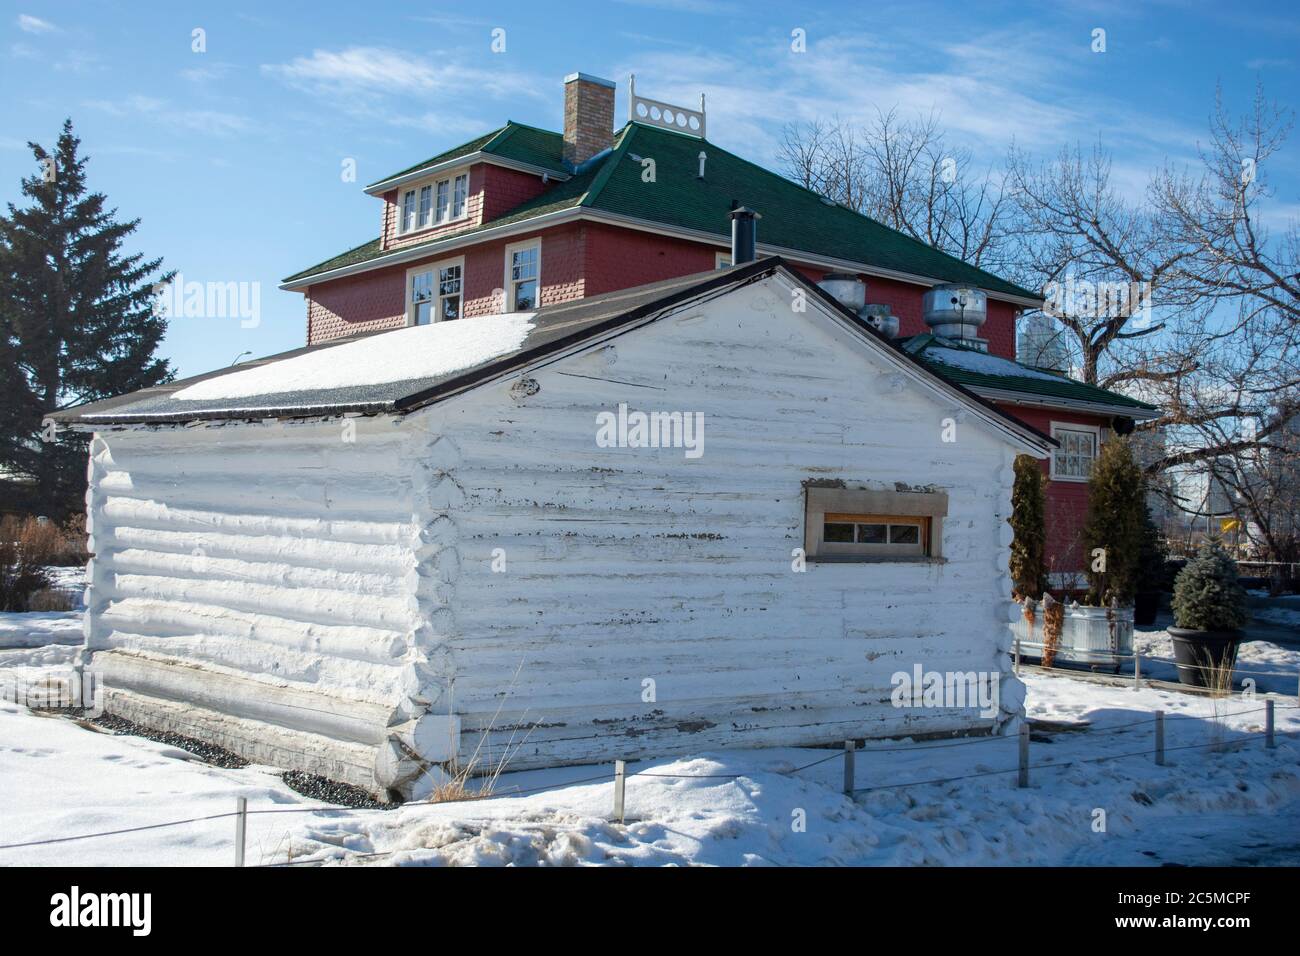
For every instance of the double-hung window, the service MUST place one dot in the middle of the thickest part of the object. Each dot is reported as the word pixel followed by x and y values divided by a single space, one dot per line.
pixel 408 211
pixel 435 292
pixel 459 195
pixel 1072 460
pixel 442 201
pixel 426 207
pixel 449 279
pixel 523 274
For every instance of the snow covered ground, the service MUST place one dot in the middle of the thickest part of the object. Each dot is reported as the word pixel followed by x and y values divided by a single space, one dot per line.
pixel 1222 798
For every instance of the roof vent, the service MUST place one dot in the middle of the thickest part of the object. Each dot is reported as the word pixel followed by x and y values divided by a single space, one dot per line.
pixel 851 292
pixel 955 311
pixel 846 289
pixel 664 115
pixel 884 321
pixel 744 235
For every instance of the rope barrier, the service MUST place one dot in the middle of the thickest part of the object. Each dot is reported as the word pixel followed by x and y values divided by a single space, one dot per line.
pixel 607 777
pixel 1150 658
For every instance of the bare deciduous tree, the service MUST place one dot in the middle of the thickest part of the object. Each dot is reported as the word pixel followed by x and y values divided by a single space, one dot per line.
pixel 1180 296
pixel 904 174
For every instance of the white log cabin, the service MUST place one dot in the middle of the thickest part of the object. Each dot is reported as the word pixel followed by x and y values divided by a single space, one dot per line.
pixel 360 558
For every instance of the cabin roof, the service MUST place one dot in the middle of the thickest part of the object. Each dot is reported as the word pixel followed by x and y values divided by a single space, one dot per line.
pixel 549 331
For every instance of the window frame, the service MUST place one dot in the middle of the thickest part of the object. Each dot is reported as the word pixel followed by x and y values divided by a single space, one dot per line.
pixel 721 260
pixel 1079 428
pixel 509 281
pixel 437 313
pixel 925 509
pixel 443 186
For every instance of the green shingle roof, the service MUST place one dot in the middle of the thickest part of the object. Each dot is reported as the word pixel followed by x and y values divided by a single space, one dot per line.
pixel 793 217
pixel 525 144
pixel 976 370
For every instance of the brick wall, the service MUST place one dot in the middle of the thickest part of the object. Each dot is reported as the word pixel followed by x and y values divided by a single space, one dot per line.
pixel 504 189
pixel 364 303
pixel 377 300
pixel 591 259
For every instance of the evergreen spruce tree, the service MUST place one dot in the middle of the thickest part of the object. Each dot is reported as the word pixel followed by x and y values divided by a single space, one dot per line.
pixel 1029 544
pixel 77 324
pixel 1116 516
pixel 1207 594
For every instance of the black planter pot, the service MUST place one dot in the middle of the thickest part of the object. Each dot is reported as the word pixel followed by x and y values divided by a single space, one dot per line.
pixel 1196 650
pixel 1145 606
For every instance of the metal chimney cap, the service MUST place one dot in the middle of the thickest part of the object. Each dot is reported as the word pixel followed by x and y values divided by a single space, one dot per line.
pixel 745 212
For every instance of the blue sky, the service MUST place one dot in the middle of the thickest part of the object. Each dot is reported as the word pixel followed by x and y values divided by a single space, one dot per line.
pixel 232 157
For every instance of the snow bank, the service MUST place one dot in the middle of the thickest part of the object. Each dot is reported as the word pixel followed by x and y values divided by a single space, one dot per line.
pixel 61 778
pixel 1237 805
pixel 420 351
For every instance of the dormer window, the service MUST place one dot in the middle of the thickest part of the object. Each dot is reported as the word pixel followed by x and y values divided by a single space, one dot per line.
pixel 434 204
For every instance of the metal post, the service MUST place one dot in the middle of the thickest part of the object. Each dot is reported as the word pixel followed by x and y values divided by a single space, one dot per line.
pixel 850 776
pixel 241 829
pixel 1268 724
pixel 1017 656
pixel 1137 671
pixel 620 780
pixel 1160 738
pixel 1024 754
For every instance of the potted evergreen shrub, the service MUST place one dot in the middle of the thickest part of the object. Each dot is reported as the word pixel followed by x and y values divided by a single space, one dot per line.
pixel 1209 612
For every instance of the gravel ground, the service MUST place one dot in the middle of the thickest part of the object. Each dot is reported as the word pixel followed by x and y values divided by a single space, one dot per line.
pixel 331 791
pixel 207 752
pixel 308 784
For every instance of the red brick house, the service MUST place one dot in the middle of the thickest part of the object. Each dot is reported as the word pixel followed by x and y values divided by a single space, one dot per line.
pixel 521 217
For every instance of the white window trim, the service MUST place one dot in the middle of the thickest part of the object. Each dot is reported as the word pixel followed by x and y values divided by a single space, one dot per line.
pixel 508 284
pixel 433 267
pixel 1073 427
pixel 722 260
pixel 415 187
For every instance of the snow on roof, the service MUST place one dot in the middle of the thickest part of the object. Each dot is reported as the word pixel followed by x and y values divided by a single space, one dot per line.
pixel 420 351
pixel 983 363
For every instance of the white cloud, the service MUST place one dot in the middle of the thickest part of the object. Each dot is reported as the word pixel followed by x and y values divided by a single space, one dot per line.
pixel 365 71
pixel 30 24
pixel 987 89
pixel 201 121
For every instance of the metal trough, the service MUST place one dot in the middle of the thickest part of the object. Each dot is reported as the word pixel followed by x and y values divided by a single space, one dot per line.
pixel 1099 637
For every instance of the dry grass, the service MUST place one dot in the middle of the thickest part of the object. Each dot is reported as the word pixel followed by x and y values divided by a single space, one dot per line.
pixel 27 547
pixel 1053 624
pixel 480 766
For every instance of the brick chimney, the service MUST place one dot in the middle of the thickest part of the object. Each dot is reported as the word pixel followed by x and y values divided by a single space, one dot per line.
pixel 588 116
